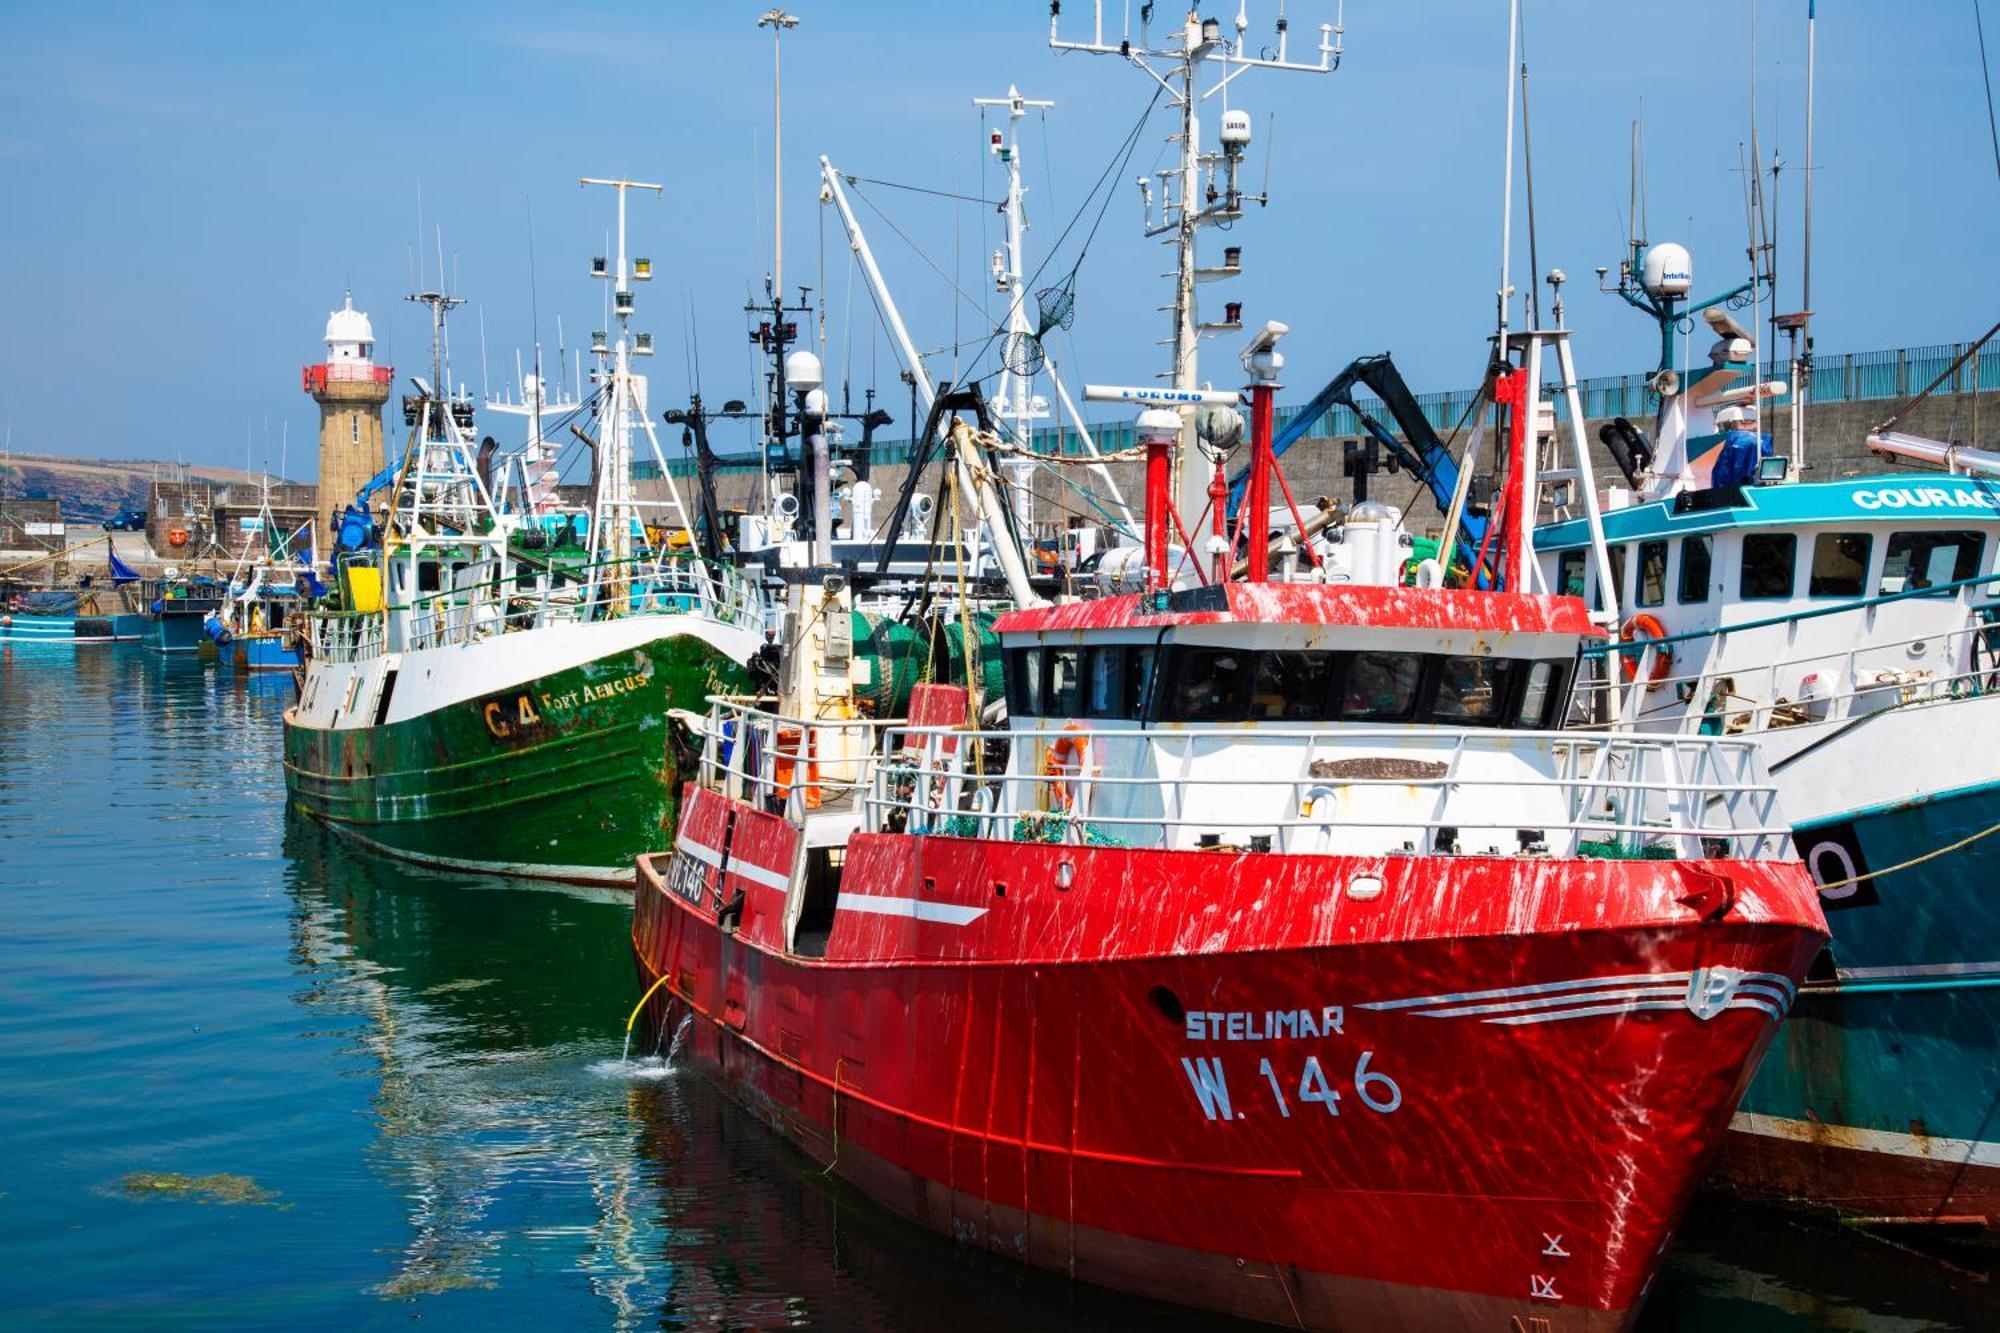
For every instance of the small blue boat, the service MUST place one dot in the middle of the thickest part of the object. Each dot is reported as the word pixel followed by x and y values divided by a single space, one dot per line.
pixel 56 617
pixel 176 608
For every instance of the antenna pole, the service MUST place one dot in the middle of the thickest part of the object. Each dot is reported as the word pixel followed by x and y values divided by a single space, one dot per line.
pixel 1802 366
pixel 777 20
pixel 1507 184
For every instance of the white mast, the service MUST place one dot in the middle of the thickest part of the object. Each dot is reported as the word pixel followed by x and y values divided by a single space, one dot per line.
pixel 1186 207
pixel 1016 403
pixel 611 548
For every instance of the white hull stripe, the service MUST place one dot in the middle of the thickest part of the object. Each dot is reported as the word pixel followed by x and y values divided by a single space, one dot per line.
pixel 950 914
pixel 603 876
pixel 756 874
pixel 1949 1152
pixel 1592 997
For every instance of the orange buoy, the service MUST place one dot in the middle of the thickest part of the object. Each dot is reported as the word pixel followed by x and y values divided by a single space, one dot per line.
pixel 177 537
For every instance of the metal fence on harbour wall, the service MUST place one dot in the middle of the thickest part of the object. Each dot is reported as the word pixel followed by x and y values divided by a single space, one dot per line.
pixel 1843 378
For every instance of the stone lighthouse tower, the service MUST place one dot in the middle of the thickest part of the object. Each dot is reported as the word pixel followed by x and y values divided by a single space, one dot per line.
pixel 350 390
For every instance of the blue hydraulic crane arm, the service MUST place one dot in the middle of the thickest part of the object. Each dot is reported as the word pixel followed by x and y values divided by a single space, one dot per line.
pixel 1424 454
pixel 355 525
pixel 377 482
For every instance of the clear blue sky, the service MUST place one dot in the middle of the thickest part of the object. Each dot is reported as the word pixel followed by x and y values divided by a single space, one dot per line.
pixel 188 188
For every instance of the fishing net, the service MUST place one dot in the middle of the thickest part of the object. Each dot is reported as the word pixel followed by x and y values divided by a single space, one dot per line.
pixel 1024 355
pixel 1055 307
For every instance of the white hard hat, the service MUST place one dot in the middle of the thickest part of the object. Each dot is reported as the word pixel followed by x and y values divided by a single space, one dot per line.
pixel 1729 416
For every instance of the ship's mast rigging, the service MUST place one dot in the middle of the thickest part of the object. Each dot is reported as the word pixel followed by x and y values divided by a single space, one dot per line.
pixel 1202 190
pixel 616 510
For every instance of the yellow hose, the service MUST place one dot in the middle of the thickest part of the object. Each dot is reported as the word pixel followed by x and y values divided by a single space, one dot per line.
pixel 638 1008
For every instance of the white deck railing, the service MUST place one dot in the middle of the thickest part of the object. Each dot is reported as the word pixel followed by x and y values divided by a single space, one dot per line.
pixel 1357 790
pixel 1728 688
pixel 674 586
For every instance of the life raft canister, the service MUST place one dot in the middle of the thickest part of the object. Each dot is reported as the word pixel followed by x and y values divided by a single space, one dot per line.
pixel 1645 626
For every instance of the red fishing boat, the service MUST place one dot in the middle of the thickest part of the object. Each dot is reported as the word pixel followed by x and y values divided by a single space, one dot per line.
pixel 1276 956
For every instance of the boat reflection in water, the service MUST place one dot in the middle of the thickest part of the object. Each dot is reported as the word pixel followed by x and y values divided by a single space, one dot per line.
pixel 536 1168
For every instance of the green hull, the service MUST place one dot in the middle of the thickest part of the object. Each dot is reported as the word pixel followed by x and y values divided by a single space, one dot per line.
pixel 567 776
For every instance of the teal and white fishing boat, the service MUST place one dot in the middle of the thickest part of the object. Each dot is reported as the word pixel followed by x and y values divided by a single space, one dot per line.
pixel 1853 628
pixel 258 627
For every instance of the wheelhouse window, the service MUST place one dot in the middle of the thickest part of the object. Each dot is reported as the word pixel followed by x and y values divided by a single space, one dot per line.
pixel 1065 697
pixel 1617 554
pixel 1139 668
pixel 1380 687
pixel 1696 566
pixel 1210 685
pixel 1104 683
pixel 1472 691
pixel 1768 558
pixel 1541 696
pixel 1292 686
pixel 1927 559
pixel 1839 564
pixel 1652 573
pixel 1024 683
pixel 1569 573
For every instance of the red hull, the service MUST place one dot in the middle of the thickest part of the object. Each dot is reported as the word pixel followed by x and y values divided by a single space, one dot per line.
pixel 1219 1080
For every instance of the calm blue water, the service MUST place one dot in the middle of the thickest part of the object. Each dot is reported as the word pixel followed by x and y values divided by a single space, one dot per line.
pixel 420 1074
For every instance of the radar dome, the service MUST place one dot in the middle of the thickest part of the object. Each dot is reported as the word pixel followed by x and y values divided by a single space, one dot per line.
pixel 1668 270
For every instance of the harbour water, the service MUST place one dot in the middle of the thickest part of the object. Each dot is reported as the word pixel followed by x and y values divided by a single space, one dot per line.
pixel 253 1079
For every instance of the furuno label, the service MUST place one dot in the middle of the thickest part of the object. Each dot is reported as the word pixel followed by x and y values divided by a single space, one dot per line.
pixel 512 716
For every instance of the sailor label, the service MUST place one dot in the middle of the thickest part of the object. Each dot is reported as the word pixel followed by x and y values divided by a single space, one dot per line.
pixel 512 716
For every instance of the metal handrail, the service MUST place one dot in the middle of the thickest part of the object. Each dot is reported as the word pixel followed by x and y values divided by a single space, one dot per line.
pixel 1608 647
pixel 1681 792
pixel 1964 679
pixel 495 605
pixel 930 788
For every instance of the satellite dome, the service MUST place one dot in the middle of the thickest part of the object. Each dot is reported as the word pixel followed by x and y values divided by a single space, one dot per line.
pixel 1667 270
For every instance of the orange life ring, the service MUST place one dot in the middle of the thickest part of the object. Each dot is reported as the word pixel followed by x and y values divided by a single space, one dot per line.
pixel 177 537
pixel 1064 765
pixel 1647 625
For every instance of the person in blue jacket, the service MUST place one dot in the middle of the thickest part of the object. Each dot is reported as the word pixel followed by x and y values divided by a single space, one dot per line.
pixel 1742 450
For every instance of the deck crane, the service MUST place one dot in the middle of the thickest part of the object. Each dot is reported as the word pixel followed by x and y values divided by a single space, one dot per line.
pixel 1418 448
